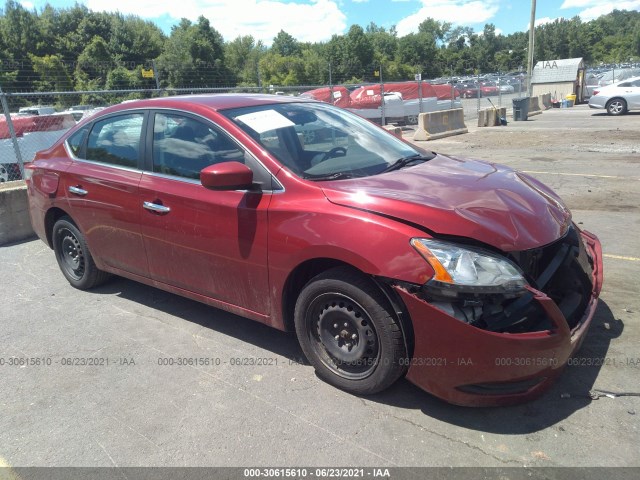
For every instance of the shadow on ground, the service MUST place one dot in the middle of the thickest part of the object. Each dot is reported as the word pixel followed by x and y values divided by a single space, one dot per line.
pixel 569 394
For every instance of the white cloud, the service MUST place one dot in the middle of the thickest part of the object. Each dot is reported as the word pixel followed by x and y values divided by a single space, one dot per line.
pixel 595 8
pixel 460 12
pixel 544 21
pixel 27 5
pixel 263 19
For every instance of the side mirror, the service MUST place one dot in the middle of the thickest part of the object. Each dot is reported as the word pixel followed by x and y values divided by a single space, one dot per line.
pixel 227 176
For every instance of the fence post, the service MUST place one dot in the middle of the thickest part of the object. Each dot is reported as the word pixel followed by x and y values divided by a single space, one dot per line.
pixel 331 85
pixel 479 94
pixel 383 120
pixel 12 132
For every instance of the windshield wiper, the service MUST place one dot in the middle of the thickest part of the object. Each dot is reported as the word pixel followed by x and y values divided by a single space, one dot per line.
pixel 329 176
pixel 405 161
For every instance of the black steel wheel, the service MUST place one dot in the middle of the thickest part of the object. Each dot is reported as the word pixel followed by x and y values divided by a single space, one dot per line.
pixel 349 333
pixel 617 106
pixel 73 256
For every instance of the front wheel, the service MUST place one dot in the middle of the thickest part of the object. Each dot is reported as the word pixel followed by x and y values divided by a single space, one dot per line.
pixel 73 256
pixel 617 106
pixel 349 333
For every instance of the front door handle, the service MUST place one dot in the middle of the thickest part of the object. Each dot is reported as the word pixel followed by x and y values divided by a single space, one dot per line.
pixel 78 191
pixel 154 207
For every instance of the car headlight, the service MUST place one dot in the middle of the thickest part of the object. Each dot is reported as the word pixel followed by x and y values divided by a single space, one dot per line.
pixel 466 270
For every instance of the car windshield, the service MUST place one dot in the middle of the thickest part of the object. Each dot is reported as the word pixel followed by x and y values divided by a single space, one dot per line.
pixel 322 142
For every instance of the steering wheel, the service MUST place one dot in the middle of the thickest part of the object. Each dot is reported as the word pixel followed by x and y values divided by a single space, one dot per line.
pixel 334 152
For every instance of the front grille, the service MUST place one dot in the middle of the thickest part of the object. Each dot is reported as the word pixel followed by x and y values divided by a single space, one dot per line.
pixel 562 270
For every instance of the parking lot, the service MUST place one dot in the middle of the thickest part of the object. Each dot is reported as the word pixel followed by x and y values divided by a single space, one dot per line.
pixel 128 375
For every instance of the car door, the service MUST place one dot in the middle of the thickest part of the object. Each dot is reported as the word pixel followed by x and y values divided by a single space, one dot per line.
pixel 101 186
pixel 212 243
pixel 633 94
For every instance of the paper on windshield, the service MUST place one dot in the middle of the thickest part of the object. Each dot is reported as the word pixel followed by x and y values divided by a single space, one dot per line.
pixel 265 120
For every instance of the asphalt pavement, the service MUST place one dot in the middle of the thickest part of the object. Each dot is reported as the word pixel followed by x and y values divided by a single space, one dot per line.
pixel 128 375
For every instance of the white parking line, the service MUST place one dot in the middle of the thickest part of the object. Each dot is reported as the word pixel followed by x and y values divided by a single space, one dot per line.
pixel 621 257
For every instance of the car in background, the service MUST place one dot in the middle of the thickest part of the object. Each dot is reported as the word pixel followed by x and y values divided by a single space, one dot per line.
pixel 387 260
pixel 36 110
pixel 489 88
pixel 505 87
pixel 467 90
pixel 619 98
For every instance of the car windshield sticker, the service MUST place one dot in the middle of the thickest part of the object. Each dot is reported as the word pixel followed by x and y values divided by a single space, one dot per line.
pixel 264 121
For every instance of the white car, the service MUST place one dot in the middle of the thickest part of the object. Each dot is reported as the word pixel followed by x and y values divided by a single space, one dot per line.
pixel 619 98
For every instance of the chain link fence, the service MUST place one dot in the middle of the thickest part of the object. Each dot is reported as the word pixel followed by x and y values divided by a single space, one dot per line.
pixel 31 121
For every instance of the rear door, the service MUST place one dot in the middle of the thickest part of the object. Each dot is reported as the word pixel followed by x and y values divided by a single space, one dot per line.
pixel 632 93
pixel 213 243
pixel 101 186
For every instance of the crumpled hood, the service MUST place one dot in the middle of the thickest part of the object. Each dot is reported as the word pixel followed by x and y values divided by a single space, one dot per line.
pixel 468 198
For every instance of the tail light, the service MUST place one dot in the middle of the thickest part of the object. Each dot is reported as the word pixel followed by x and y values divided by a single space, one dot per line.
pixel 595 92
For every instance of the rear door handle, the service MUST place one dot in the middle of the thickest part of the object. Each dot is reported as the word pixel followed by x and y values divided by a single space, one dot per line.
pixel 154 207
pixel 78 191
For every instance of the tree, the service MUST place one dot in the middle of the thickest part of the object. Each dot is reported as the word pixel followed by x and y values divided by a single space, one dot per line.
pixel 285 45
pixel 242 57
pixel 193 56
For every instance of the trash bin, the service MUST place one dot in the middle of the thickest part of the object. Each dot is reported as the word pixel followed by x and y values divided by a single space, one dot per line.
pixel 571 98
pixel 520 109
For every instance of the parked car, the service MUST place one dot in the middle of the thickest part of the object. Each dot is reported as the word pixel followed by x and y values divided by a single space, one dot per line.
pixel 36 110
pixel 618 98
pixel 466 277
pixel 467 90
pixel 489 88
pixel 505 87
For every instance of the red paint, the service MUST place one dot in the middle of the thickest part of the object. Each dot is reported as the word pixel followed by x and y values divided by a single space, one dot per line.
pixel 236 249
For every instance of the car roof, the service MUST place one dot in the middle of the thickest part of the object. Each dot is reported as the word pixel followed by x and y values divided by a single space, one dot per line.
pixel 212 101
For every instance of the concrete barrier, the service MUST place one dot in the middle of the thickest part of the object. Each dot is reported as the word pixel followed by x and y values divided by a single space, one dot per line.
pixel 15 223
pixel 545 101
pixel 490 117
pixel 444 123
pixel 534 107
pixel 397 131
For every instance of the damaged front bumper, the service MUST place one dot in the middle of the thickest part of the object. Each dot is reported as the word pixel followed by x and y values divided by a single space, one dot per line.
pixel 471 365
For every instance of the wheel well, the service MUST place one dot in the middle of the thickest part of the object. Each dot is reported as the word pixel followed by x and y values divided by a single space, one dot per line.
pixel 52 216
pixel 616 98
pixel 296 281
pixel 304 272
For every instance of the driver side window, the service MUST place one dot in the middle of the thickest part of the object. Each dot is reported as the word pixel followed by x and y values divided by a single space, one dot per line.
pixel 182 146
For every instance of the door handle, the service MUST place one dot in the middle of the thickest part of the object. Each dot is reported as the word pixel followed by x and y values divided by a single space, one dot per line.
pixel 154 207
pixel 78 191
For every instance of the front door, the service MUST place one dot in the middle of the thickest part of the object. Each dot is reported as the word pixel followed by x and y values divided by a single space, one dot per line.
pixel 213 243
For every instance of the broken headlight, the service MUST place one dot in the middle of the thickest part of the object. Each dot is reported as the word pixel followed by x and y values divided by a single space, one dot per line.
pixel 465 270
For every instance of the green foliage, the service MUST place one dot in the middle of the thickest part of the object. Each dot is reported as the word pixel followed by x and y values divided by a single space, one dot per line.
pixel 54 49
pixel 193 56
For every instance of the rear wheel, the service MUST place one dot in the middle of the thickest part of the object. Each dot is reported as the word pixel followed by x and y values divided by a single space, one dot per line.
pixel 73 256
pixel 617 106
pixel 349 333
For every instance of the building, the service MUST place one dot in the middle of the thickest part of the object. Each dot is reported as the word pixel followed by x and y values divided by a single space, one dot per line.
pixel 559 78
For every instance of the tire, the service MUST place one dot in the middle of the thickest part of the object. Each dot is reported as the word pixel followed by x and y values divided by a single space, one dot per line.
pixel 73 256
pixel 412 120
pixel 335 312
pixel 617 106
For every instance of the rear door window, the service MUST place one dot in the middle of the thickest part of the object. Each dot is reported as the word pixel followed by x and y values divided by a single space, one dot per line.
pixel 116 140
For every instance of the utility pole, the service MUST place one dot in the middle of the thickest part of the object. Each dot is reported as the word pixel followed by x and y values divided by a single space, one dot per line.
pixel 532 27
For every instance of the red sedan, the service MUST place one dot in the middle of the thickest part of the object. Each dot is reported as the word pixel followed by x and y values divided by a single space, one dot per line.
pixel 466 277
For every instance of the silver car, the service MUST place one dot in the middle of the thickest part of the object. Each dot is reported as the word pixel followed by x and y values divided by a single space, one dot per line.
pixel 618 98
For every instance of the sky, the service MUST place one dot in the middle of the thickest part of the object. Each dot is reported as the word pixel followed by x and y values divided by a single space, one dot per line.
pixel 318 20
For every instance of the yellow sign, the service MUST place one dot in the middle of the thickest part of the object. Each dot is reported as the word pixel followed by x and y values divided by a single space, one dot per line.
pixel 376 73
pixel 147 73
